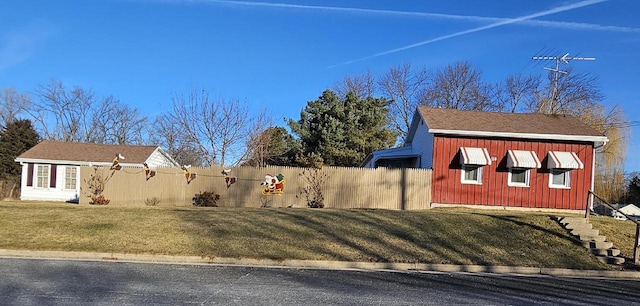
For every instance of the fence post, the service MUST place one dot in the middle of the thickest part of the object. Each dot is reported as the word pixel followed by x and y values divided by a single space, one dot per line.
pixel 636 250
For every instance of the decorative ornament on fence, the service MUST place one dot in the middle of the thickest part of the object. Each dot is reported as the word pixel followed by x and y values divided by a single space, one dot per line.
pixel 190 176
pixel 273 185
pixel 230 180
pixel 148 172
pixel 116 162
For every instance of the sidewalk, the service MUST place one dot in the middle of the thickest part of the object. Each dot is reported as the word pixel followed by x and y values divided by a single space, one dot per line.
pixel 312 264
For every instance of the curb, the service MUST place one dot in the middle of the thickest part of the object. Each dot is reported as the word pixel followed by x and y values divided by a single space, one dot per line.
pixel 312 264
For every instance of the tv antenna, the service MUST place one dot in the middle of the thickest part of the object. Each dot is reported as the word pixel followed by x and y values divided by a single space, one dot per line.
pixel 552 101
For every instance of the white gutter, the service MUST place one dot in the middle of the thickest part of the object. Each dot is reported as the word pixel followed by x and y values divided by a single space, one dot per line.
pixel 73 162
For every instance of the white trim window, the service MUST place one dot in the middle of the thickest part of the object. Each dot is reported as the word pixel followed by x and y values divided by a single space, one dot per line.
pixel 520 164
pixel 472 161
pixel 560 165
pixel 471 174
pixel 560 178
pixel 70 177
pixel 519 177
pixel 42 176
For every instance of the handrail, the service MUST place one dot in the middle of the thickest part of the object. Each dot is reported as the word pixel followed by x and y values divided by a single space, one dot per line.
pixel 636 244
pixel 632 219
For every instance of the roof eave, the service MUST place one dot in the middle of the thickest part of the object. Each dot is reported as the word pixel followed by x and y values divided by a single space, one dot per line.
pixel 71 162
pixel 587 138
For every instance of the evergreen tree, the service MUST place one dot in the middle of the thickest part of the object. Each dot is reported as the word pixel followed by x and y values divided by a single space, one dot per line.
pixel 633 190
pixel 16 138
pixel 338 131
pixel 274 146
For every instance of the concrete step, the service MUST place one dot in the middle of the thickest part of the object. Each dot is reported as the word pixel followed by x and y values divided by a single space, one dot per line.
pixel 611 260
pixel 567 220
pixel 592 238
pixel 597 244
pixel 578 225
pixel 604 252
pixel 585 232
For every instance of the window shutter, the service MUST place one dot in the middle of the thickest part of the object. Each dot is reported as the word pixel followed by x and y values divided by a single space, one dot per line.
pixel 52 179
pixel 29 175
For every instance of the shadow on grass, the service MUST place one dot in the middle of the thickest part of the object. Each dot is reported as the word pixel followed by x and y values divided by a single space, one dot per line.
pixel 437 237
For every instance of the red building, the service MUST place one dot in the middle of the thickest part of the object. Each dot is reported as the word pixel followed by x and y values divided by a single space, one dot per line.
pixel 499 159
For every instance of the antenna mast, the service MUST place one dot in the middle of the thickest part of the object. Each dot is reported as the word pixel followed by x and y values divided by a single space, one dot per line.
pixel 553 99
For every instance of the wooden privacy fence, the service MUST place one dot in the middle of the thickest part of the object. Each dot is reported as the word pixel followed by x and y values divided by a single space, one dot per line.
pixel 382 188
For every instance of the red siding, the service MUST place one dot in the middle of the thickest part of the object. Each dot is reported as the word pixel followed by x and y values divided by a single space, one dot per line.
pixel 447 188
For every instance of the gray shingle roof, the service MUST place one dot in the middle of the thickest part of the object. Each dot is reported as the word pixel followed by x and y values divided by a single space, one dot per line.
pixel 87 152
pixel 463 120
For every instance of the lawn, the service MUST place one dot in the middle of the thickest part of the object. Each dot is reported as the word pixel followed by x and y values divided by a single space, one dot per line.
pixel 441 236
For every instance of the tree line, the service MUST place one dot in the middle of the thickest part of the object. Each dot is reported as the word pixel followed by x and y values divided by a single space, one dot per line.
pixel 358 115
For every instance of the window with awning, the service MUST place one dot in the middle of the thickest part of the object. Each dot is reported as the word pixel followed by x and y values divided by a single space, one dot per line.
pixel 474 156
pixel 523 159
pixel 563 160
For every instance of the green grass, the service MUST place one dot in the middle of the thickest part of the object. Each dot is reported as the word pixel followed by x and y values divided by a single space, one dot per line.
pixel 440 236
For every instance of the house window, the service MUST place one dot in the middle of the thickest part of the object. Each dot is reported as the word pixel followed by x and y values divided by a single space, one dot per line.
pixel 70 178
pixel 42 176
pixel 520 164
pixel 472 160
pixel 519 177
pixel 560 178
pixel 471 174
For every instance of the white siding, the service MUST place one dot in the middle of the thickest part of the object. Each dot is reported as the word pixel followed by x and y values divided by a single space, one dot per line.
pixel 422 144
pixel 57 193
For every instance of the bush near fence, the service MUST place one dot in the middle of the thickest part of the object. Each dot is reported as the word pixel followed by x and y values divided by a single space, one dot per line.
pixel 381 188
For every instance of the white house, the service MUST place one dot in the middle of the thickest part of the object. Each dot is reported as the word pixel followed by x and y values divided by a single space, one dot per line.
pixel 51 169
pixel 629 210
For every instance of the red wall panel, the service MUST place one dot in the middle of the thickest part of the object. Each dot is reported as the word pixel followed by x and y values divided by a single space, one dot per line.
pixel 448 189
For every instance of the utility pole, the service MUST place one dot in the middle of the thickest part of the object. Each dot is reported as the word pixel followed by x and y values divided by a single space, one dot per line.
pixel 552 101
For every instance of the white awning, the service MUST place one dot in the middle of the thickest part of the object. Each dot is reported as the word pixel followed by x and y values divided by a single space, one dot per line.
pixel 523 159
pixel 564 160
pixel 474 156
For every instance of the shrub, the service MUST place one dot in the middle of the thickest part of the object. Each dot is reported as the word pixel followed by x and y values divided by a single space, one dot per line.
pixel 206 199
pixel 99 200
pixel 152 201
pixel 313 180
pixel 95 186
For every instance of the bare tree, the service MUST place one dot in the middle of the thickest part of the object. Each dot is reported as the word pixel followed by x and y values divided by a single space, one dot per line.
pixel 259 138
pixel 75 115
pixel 214 128
pixel 567 93
pixel 517 91
pixel 403 86
pixel 12 103
pixel 363 86
pixel 117 123
pixel 460 86
pixel 169 135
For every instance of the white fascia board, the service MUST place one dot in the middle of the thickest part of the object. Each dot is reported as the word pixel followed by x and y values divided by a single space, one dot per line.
pixel 58 162
pixel 594 139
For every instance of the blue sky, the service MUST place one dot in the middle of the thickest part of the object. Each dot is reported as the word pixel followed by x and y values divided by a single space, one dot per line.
pixel 280 54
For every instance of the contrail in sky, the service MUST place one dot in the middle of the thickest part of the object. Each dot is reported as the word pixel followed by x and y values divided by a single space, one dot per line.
pixel 478 29
pixel 558 24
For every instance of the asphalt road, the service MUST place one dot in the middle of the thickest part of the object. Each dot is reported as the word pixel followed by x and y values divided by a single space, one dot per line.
pixel 64 282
